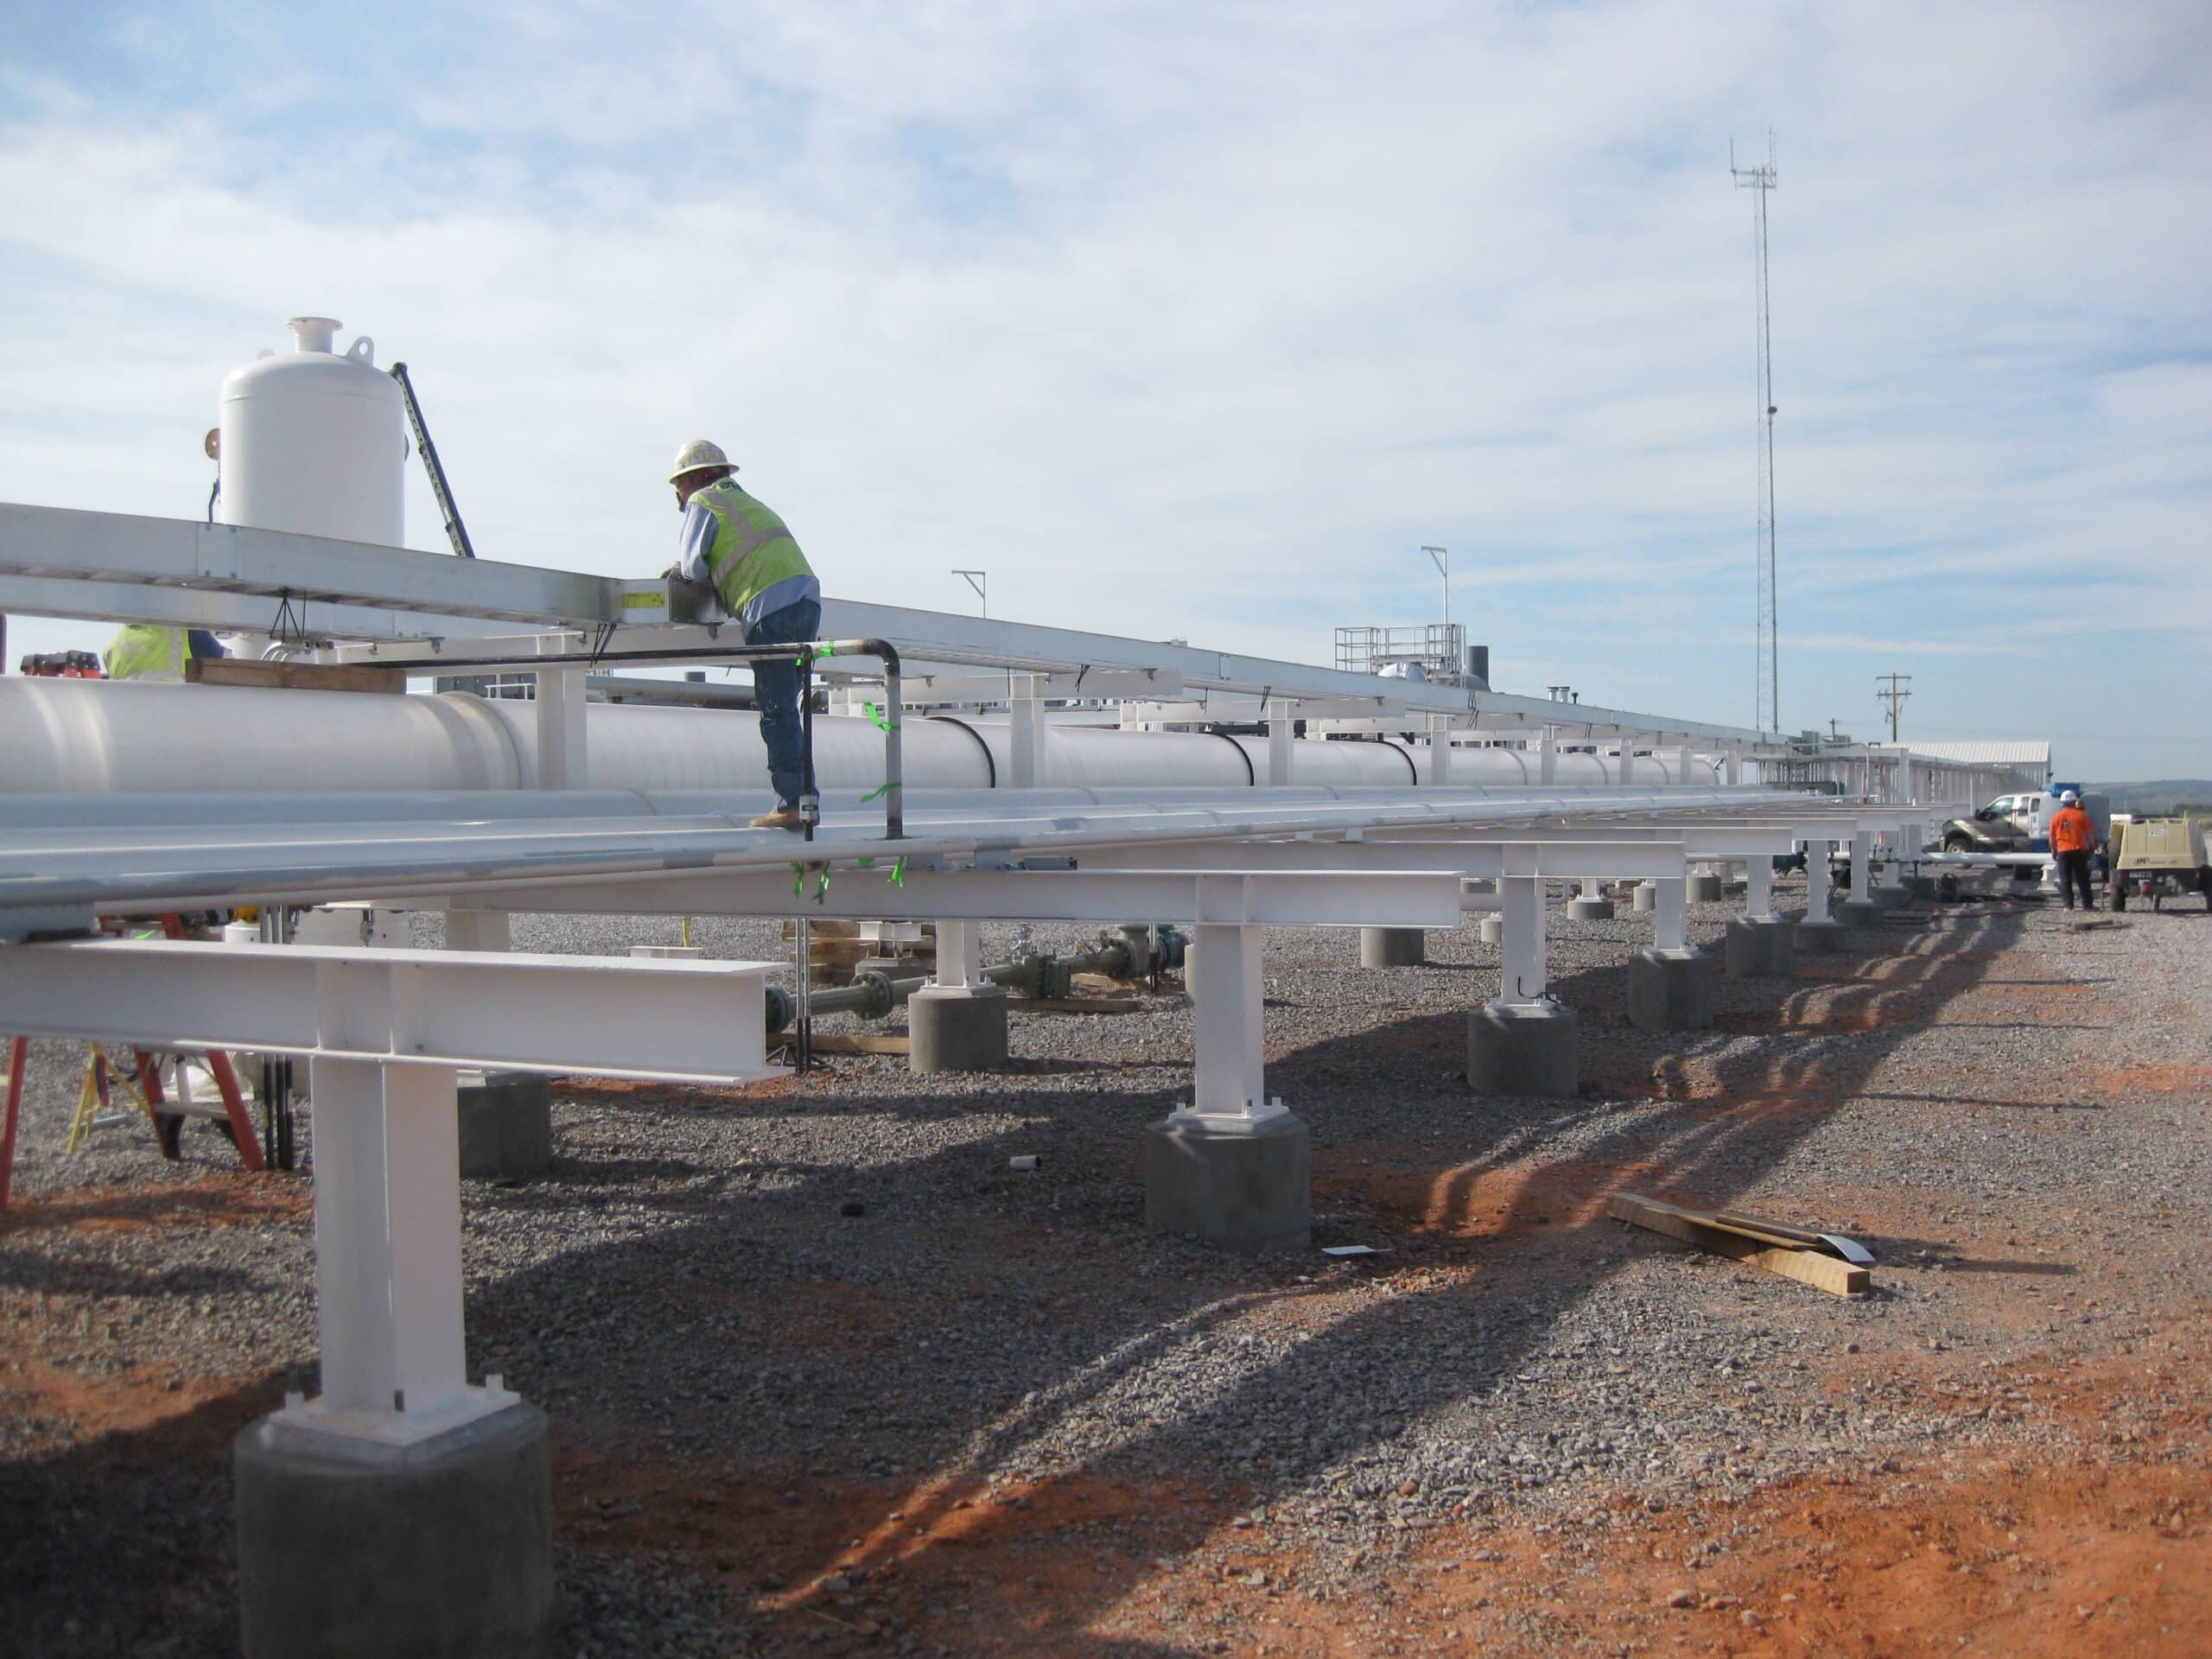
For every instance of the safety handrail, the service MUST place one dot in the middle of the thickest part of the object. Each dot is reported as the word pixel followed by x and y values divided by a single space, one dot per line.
pixel 892 720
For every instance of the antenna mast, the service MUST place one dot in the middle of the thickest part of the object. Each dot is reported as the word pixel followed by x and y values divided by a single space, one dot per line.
pixel 1761 181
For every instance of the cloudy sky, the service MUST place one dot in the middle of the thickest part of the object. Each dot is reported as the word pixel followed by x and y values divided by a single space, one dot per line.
pixel 1199 319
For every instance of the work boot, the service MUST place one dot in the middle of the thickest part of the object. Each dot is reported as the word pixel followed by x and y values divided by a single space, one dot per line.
pixel 784 817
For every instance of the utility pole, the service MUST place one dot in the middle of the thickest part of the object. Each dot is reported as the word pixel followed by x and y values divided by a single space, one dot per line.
pixel 1893 695
pixel 1441 559
pixel 1761 181
pixel 979 580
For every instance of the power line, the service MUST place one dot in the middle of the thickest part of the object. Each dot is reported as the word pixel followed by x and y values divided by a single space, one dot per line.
pixel 1761 181
pixel 1894 696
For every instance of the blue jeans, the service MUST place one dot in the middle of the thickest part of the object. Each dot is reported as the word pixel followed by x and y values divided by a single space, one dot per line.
pixel 776 691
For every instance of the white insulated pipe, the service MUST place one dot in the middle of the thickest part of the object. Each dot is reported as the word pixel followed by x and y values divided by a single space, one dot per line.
pixel 94 736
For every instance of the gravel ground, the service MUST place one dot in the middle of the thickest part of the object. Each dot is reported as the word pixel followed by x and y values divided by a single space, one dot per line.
pixel 779 1330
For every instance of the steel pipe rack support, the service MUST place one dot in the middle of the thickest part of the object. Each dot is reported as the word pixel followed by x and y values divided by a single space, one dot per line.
pixel 1232 1167
pixel 1523 1043
pixel 443 1485
pixel 1590 905
pixel 1394 947
pixel 1758 947
pixel 1819 933
pixel 1282 732
pixel 563 755
pixel 1671 917
pixel 1758 887
pixel 1523 1049
pixel 1522 967
pixel 958 1024
pixel 1860 910
pixel 1670 990
pixel 1026 737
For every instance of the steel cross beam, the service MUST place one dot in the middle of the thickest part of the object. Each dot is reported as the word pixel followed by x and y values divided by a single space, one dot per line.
pixel 1622 858
pixel 1232 896
pixel 119 548
pixel 674 1020
pixel 228 613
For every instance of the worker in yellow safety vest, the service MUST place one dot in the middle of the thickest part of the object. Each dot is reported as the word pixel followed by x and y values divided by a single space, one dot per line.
pixel 741 548
pixel 143 652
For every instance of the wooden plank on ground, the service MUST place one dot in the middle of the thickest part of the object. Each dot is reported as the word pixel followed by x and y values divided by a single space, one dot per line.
pixel 1693 1227
pixel 294 677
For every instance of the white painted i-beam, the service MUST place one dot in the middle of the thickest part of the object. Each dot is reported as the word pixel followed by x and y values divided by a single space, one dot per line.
pixel 673 1021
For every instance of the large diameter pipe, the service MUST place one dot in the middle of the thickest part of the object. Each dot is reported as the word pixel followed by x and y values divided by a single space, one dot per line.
pixel 95 736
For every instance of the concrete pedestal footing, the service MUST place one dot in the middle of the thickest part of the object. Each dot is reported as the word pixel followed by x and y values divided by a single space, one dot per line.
pixel 348 1548
pixel 1819 939
pixel 1922 887
pixel 1857 913
pixel 1579 909
pixel 1756 948
pixel 956 1028
pixel 1644 896
pixel 1670 990
pixel 1703 888
pixel 1392 947
pixel 1242 1188
pixel 1892 898
pixel 507 1125
pixel 1492 928
pixel 1523 1048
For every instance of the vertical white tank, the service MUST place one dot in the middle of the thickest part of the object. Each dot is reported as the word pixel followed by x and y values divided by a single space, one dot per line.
pixel 315 441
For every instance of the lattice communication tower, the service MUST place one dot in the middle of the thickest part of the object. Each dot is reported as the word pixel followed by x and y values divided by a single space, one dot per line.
pixel 1760 180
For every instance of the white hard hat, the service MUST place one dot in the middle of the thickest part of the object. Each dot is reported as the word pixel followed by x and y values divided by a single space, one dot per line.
pixel 697 456
pixel 2071 797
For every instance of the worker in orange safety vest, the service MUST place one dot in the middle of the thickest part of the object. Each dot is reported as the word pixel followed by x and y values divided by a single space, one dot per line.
pixel 2073 837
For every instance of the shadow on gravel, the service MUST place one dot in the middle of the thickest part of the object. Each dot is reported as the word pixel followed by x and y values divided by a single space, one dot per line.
pixel 37 1270
pixel 773 1391
pixel 124 1544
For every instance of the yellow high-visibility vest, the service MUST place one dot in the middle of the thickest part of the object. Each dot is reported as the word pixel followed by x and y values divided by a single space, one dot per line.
pixel 753 549
pixel 142 652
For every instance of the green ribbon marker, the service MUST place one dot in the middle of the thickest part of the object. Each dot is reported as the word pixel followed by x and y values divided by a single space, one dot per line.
pixel 876 715
pixel 898 872
pixel 873 793
pixel 798 887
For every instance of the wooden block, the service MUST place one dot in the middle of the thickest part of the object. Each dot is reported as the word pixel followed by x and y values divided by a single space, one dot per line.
pixel 294 677
pixel 1075 1004
pixel 1694 1227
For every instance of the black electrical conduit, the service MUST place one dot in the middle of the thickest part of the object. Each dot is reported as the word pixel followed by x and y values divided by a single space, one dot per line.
pixel 990 762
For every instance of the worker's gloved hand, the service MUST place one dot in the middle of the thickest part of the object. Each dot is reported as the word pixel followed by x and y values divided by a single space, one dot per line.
pixel 669 575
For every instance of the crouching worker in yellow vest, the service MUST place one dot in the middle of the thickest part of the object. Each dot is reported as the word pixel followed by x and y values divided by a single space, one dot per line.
pixel 740 549
pixel 142 652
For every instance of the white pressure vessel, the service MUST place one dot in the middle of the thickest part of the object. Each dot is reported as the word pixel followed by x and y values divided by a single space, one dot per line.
pixel 315 441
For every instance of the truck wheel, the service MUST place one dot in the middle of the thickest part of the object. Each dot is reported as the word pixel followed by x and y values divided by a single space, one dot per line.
pixel 1956 842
